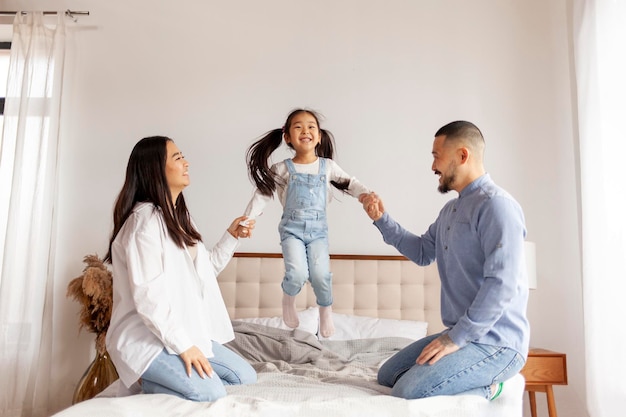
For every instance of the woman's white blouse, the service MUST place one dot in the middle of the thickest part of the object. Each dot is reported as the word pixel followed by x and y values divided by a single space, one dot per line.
pixel 162 298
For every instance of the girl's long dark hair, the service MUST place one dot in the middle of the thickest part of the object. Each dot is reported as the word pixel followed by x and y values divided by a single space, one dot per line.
pixel 146 182
pixel 258 154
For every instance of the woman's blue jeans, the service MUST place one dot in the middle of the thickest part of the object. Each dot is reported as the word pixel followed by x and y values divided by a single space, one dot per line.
pixel 470 370
pixel 167 375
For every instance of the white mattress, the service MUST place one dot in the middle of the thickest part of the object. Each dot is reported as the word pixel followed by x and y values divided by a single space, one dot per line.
pixel 290 395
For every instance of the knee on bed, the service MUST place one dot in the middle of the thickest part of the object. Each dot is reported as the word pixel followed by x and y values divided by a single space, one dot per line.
pixel 246 374
pixel 248 377
pixel 206 393
pixel 406 391
pixel 383 381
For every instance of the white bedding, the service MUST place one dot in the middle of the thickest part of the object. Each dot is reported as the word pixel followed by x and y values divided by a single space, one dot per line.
pixel 267 399
pixel 298 375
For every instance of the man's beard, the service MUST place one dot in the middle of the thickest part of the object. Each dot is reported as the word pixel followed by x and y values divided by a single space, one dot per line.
pixel 447 181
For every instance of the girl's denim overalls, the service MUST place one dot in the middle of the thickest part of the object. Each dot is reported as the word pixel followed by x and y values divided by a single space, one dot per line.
pixel 304 234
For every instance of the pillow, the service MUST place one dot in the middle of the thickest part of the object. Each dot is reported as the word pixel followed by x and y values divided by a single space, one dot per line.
pixel 308 321
pixel 349 327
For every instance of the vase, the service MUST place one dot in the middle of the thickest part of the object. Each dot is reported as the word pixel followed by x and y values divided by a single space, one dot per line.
pixel 100 374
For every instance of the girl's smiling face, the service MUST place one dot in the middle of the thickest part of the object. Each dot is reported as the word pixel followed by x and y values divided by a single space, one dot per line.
pixel 176 170
pixel 303 134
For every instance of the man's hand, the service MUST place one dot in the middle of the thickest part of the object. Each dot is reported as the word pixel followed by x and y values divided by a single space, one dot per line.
pixel 436 350
pixel 373 205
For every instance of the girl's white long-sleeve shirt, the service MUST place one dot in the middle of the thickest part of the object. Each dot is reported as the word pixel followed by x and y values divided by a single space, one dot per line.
pixel 162 298
pixel 333 173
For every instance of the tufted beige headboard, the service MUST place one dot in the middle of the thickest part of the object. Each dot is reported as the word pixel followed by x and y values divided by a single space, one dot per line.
pixel 364 285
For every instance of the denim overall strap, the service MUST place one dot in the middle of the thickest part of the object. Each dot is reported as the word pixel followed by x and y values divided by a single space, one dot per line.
pixel 306 191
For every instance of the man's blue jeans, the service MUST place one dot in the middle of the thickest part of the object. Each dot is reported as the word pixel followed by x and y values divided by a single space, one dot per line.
pixel 167 375
pixel 470 370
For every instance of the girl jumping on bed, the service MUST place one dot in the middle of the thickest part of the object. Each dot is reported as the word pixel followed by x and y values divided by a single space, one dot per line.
pixel 303 188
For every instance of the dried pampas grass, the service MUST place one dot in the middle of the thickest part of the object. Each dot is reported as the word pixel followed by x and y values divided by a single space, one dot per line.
pixel 94 291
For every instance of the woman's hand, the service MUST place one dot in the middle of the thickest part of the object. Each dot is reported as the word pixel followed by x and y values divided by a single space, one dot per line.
pixel 193 357
pixel 241 227
pixel 373 205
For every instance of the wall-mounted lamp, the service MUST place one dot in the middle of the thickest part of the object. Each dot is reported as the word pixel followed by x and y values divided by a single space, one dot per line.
pixel 531 264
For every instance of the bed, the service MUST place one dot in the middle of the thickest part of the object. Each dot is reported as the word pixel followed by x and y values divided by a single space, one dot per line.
pixel 381 303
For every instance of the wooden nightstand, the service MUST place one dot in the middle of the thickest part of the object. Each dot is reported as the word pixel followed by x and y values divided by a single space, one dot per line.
pixel 543 369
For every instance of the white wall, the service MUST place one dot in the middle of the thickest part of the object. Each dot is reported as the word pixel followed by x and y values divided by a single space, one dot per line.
pixel 214 75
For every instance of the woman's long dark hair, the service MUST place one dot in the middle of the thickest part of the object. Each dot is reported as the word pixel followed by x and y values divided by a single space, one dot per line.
pixel 258 154
pixel 146 182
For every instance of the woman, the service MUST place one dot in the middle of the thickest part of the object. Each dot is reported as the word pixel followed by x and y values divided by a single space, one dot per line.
pixel 169 321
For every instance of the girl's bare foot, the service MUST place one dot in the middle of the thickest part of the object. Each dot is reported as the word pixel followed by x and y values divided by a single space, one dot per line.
pixel 290 315
pixel 327 327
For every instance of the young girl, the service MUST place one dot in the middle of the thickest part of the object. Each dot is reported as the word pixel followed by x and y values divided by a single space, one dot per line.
pixel 303 187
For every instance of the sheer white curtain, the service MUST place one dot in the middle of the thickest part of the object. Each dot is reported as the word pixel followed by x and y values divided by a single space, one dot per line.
pixel 28 166
pixel 600 58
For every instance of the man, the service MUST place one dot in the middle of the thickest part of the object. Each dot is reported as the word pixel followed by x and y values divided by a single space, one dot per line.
pixel 477 241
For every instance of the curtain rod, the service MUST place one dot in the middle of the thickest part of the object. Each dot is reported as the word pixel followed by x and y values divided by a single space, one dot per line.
pixel 68 13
